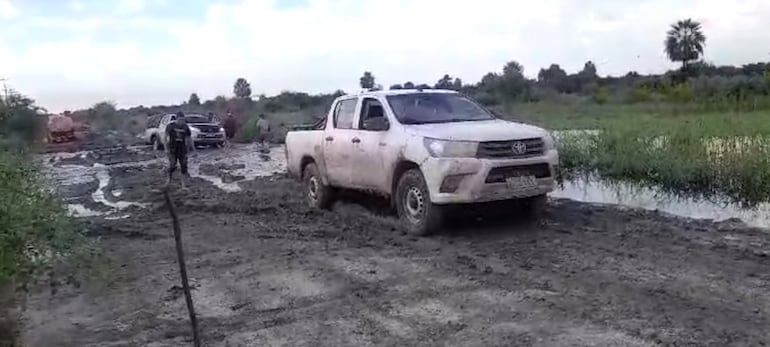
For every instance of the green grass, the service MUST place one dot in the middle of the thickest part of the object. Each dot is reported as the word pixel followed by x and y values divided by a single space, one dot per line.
pixel 711 156
pixel 658 118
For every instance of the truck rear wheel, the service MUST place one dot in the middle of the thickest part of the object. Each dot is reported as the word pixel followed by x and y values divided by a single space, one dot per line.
pixel 318 194
pixel 418 214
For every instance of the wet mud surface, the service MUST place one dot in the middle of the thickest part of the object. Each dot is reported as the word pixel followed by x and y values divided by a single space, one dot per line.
pixel 268 271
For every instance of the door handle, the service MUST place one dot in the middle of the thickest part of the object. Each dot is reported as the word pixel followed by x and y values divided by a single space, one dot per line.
pixel 356 140
pixel 329 138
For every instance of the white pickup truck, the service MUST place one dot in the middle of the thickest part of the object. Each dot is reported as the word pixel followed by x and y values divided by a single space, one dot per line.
pixel 423 149
pixel 204 131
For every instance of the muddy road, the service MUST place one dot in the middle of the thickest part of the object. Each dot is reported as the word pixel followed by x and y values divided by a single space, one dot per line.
pixel 268 271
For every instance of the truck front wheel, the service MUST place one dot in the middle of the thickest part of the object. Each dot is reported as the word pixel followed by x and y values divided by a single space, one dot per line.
pixel 317 193
pixel 156 144
pixel 417 213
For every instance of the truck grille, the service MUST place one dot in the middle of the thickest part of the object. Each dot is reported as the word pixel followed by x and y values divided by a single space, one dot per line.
pixel 499 174
pixel 514 149
pixel 208 128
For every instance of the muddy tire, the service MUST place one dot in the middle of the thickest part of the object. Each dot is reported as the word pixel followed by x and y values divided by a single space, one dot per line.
pixel 535 206
pixel 156 145
pixel 318 194
pixel 418 214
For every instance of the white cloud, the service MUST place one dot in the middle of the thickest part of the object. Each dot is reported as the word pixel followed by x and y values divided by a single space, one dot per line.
pixel 77 5
pixel 329 43
pixel 129 7
pixel 8 10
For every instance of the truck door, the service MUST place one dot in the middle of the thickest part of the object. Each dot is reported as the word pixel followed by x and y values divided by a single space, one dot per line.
pixel 338 143
pixel 370 146
pixel 162 127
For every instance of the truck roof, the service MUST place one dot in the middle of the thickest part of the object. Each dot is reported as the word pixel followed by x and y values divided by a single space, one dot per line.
pixel 400 91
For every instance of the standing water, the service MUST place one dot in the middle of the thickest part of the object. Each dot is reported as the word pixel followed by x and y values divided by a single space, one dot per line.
pixel 245 163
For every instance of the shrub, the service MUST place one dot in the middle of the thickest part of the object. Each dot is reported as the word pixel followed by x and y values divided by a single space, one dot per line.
pixel 678 93
pixel 247 132
pixel 639 93
pixel 35 228
pixel 601 95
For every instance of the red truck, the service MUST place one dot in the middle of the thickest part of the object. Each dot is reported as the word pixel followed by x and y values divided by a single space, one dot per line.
pixel 61 128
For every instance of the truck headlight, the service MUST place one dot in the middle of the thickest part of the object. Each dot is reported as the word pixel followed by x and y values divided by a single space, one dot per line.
pixel 450 149
pixel 549 142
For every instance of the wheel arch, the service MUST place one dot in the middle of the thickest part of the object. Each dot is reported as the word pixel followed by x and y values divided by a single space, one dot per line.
pixel 303 163
pixel 398 170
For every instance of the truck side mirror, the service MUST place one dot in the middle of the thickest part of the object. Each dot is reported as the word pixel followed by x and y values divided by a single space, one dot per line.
pixel 376 124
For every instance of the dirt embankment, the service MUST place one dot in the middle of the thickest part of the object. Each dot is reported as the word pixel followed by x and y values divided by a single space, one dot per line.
pixel 267 270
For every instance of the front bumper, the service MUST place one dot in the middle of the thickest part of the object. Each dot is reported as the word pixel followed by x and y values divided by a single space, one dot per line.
pixel 208 138
pixel 467 178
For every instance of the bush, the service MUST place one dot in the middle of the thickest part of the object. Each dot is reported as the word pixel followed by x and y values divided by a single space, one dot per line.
pixel 601 95
pixel 35 229
pixel 678 93
pixel 20 122
pixel 639 94
pixel 247 132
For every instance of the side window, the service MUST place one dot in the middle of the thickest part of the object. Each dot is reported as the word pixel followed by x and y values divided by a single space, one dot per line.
pixel 370 108
pixel 344 114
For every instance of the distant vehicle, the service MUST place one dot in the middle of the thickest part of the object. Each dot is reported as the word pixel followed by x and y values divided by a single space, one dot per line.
pixel 61 128
pixel 424 149
pixel 204 131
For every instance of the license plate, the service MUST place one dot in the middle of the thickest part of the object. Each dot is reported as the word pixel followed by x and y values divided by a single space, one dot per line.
pixel 521 182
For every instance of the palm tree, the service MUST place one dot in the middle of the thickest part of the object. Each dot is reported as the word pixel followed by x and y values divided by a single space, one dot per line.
pixel 685 41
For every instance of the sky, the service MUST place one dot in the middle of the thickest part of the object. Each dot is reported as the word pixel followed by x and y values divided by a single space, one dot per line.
pixel 69 54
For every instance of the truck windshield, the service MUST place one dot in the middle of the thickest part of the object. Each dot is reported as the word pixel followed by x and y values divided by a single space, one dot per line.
pixel 424 108
pixel 196 119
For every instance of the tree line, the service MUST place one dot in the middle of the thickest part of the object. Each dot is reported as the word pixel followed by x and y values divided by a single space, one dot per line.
pixel 684 43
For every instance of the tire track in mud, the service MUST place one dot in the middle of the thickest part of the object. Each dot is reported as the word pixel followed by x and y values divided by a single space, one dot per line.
pixel 610 282
pixel 588 284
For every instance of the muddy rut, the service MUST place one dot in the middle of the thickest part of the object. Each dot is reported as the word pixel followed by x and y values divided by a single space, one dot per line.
pixel 268 271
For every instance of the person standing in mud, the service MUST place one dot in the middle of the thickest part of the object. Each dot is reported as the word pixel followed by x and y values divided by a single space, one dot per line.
pixel 263 132
pixel 230 127
pixel 179 143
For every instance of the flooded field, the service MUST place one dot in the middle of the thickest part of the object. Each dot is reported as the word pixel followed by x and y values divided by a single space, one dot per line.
pixel 244 163
pixel 79 170
pixel 266 270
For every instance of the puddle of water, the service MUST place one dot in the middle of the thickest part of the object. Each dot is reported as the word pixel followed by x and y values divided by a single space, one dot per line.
pixel 652 199
pixel 254 164
pixel 103 176
pixel 80 211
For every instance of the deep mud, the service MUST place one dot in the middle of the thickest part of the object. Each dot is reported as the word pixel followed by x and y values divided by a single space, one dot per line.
pixel 268 271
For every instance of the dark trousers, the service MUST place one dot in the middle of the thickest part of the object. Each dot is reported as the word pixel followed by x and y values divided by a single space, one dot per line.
pixel 176 154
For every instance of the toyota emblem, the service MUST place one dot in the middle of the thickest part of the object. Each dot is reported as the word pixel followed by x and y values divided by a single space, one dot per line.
pixel 519 148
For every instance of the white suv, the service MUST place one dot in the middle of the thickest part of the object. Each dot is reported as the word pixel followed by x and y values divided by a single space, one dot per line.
pixel 424 149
